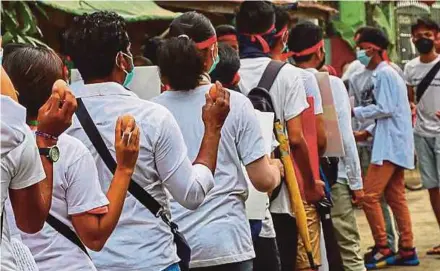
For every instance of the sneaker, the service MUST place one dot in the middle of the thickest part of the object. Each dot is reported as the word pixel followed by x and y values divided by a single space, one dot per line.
pixel 378 257
pixel 405 257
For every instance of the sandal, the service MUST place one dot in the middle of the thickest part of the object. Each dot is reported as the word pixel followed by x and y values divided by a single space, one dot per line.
pixel 434 251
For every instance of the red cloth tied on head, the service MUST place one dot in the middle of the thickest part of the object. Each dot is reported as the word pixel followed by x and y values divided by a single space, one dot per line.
pixel 261 40
pixel 306 51
pixel 384 53
pixel 230 37
pixel 206 43
pixel 281 32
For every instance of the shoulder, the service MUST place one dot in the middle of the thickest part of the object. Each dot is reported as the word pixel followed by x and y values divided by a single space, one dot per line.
pixel 337 84
pixel 71 150
pixel 289 72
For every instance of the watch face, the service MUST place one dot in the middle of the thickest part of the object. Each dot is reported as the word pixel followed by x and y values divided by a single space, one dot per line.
pixel 54 154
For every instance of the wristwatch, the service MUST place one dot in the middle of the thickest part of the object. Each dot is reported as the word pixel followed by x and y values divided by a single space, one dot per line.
pixel 52 153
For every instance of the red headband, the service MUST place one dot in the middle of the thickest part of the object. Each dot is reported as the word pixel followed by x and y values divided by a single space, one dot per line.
pixel 261 40
pixel 281 32
pixel 230 37
pixel 375 47
pixel 306 51
pixel 206 43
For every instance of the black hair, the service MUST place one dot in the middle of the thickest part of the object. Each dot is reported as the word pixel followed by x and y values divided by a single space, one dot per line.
pixel 151 47
pixel 142 61
pixel 302 36
pixel 228 66
pixel 225 29
pixel 426 22
pixel 375 36
pixel 362 29
pixel 180 61
pixel 33 71
pixel 282 18
pixel 93 42
pixel 255 17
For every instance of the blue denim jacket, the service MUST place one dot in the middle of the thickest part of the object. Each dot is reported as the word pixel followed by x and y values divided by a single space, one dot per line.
pixel 393 135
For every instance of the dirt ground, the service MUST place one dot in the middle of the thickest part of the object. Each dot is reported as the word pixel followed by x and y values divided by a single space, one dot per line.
pixel 426 230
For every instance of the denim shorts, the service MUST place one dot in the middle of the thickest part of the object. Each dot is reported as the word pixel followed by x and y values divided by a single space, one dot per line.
pixel 428 155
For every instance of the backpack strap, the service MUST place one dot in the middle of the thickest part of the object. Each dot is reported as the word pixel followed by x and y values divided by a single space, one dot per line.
pixel 426 81
pixel 270 74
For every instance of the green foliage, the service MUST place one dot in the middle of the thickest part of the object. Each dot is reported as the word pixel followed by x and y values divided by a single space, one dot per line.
pixel 19 24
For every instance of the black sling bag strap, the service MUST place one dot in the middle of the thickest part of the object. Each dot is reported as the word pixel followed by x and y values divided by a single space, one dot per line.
pixel 266 82
pixel 426 81
pixel 183 249
pixel 270 74
pixel 66 232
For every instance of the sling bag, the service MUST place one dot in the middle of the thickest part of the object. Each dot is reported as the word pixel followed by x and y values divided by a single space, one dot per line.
pixel 426 81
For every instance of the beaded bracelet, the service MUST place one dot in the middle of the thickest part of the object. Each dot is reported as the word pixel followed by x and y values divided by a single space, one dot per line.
pixel 45 135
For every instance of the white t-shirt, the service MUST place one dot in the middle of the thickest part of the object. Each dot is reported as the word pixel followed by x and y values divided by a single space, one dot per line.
pixel 218 231
pixel 312 90
pixel 13 124
pixel 427 123
pixel 289 98
pixel 20 168
pixel 76 190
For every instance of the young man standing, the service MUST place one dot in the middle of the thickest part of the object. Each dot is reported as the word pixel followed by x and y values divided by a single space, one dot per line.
pixel 256 31
pixel 392 152
pixel 427 127
pixel 307 46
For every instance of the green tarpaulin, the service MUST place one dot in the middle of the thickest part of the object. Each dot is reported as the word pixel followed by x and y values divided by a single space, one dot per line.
pixel 131 11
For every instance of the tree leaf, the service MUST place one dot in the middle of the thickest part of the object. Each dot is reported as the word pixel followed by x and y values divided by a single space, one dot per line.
pixel 41 10
pixel 38 42
pixel 7 37
pixel 27 17
pixel 10 18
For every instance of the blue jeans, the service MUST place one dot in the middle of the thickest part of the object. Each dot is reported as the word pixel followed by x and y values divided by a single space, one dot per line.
pixel 241 266
pixel 174 267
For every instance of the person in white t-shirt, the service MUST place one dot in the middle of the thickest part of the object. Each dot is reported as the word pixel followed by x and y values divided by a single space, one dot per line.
pixel 142 240
pixel 427 127
pixel 22 172
pixel 78 201
pixel 218 232
pixel 256 31
pixel 306 43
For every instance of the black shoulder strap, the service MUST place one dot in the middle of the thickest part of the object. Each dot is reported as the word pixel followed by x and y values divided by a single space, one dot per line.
pixel 426 81
pixel 270 74
pixel 66 232
pixel 95 137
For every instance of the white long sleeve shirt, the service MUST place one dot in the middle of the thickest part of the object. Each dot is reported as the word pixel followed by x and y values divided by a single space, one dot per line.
pixel 142 241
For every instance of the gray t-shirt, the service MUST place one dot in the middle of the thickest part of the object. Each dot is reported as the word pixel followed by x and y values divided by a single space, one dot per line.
pixel 218 231
pixel 427 124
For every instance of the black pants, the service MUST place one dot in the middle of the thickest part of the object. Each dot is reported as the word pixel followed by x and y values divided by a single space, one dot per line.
pixel 241 266
pixel 287 240
pixel 267 255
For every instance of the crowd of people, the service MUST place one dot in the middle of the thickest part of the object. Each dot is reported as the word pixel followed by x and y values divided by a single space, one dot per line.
pixel 95 178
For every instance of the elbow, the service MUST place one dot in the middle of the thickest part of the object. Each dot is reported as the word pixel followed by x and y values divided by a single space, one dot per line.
pixel 296 140
pixel 322 145
pixel 269 183
pixel 95 243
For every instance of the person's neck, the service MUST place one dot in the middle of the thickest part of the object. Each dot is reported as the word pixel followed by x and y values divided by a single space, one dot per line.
pixel 101 80
pixel 306 65
pixel 373 65
pixel 429 57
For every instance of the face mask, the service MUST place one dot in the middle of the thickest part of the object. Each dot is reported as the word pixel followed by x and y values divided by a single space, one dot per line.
pixel 424 45
pixel 361 55
pixel 214 64
pixel 130 74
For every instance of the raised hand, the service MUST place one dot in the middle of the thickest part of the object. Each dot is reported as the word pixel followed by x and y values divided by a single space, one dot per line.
pixel 55 116
pixel 216 108
pixel 127 137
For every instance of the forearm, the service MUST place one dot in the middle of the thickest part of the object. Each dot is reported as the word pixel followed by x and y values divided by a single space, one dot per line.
pixel 371 111
pixel 116 196
pixel 45 186
pixel 209 148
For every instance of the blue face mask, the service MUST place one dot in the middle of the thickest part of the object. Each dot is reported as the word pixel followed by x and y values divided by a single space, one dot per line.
pixel 361 55
pixel 129 75
pixel 214 64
